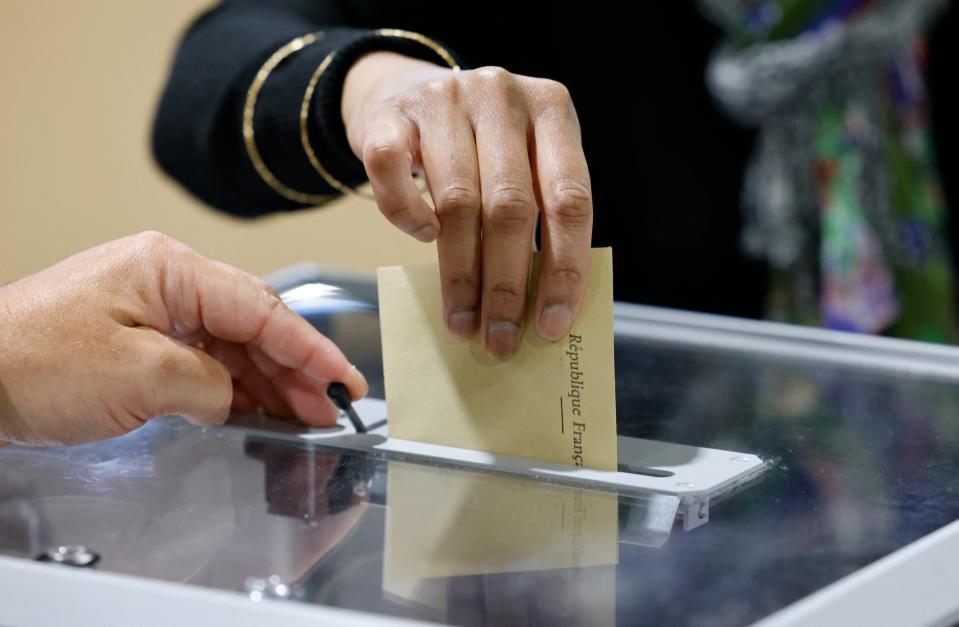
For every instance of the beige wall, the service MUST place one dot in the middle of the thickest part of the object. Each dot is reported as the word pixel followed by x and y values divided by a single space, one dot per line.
pixel 79 83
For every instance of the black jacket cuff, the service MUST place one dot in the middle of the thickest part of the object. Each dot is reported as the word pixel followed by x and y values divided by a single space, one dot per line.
pixel 328 130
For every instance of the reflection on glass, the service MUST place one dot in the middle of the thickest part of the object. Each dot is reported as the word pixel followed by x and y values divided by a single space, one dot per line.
pixel 175 503
pixel 314 501
pixel 450 523
pixel 443 525
pixel 304 483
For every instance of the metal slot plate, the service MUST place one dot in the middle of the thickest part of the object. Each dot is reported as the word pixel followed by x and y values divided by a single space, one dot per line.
pixel 689 472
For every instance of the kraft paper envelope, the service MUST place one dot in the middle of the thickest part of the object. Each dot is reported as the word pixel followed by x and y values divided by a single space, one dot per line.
pixel 552 400
pixel 454 523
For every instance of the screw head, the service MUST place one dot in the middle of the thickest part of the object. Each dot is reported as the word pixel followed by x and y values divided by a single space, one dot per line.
pixel 272 587
pixel 71 555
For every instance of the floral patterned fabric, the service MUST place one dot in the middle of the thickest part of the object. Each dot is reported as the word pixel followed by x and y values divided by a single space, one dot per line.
pixel 843 197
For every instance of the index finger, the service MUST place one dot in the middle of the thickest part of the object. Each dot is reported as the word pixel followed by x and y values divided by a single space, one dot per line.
pixel 237 307
pixel 388 159
pixel 567 206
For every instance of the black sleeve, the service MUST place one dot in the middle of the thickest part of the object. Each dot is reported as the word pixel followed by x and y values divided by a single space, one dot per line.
pixel 197 135
pixel 944 103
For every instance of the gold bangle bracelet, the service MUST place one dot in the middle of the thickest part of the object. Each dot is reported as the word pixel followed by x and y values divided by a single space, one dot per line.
pixel 315 79
pixel 249 110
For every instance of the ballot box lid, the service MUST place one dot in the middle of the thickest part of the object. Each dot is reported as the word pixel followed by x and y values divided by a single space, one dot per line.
pixel 859 438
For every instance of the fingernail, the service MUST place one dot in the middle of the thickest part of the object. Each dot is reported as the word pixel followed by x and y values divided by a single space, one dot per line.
pixel 364 383
pixel 555 321
pixel 462 323
pixel 501 339
pixel 426 233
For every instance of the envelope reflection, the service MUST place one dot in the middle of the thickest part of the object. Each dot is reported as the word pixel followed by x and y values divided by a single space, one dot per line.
pixel 443 525
pixel 446 523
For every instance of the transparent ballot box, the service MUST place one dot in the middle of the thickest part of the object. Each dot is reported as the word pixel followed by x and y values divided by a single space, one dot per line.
pixel 768 473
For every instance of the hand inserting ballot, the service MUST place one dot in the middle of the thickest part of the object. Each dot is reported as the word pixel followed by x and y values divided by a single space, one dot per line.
pixel 499 152
pixel 144 326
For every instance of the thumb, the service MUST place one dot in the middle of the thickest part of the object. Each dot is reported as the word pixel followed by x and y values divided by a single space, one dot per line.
pixel 183 380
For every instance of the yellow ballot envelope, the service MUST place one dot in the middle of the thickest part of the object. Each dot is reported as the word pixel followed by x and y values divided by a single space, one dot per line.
pixel 553 401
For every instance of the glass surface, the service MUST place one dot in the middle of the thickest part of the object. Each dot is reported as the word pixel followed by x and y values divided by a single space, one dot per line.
pixel 861 462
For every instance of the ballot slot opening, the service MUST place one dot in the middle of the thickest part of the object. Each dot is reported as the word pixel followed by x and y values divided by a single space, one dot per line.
pixel 648 472
pixel 678 469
